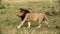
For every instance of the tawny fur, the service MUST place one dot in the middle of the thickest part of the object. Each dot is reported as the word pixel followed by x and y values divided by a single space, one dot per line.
pixel 39 17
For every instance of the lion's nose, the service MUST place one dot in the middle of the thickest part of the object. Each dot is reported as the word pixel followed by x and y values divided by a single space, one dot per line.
pixel 17 15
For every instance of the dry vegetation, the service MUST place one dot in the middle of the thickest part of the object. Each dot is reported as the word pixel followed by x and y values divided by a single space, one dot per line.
pixel 9 21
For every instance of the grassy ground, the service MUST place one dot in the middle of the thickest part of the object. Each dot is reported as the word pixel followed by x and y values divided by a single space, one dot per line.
pixel 9 21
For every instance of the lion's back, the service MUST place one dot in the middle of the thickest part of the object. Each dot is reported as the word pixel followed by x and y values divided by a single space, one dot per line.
pixel 35 16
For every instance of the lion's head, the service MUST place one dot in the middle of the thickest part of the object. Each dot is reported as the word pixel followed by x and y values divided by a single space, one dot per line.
pixel 19 13
pixel 22 13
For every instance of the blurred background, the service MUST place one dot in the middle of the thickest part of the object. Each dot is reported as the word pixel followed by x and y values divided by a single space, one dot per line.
pixel 9 21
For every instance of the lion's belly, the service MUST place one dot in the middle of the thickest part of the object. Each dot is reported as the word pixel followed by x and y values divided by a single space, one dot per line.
pixel 32 17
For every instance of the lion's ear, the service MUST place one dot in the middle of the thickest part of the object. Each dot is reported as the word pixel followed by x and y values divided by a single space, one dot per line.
pixel 21 9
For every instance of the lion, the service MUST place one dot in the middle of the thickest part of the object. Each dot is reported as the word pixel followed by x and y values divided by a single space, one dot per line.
pixel 27 16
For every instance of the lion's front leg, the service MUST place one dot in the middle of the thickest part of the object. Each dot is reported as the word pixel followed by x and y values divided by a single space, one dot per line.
pixel 28 25
pixel 22 22
pixel 19 26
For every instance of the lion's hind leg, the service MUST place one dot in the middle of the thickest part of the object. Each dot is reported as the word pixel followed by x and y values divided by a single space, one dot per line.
pixel 47 23
pixel 40 21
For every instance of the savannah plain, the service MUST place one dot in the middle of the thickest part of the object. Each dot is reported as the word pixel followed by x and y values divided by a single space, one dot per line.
pixel 9 21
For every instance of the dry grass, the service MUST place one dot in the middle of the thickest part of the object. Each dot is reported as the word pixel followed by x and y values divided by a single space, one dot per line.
pixel 9 21
pixel 19 1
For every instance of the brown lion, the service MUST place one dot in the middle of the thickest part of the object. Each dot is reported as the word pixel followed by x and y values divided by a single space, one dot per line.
pixel 26 16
